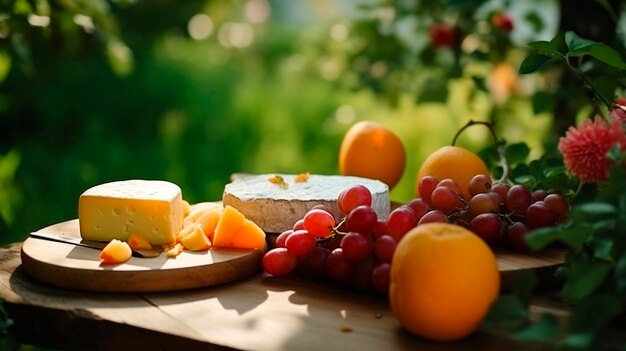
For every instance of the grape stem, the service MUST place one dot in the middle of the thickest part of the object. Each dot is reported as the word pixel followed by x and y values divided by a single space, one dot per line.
pixel 500 143
pixel 335 231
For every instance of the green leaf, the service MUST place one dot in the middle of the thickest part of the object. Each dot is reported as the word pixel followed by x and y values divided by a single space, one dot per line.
pixel 577 44
pixel 593 314
pixel 603 248
pixel 579 341
pixel 620 275
pixel 548 47
pixel 480 82
pixel 583 276
pixel 540 238
pixel 595 209
pixel 605 86
pixel 579 47
pixel 434 91
pixel 523 285
pixel 608 55
pixel 516 153
pixel 554 171
pixel 545 329
pixel 533 63
pixel 542 102
pixel 506 313
pixel 573 236
pixel 527 180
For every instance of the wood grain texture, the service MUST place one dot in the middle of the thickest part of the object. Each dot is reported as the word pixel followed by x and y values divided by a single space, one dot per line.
pixel 79 268
pixel 257 313
pixel 75 267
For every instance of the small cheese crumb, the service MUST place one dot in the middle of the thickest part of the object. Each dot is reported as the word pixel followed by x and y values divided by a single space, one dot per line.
pixel 174 250
pixel 302 177
pixel 279 180
pixel 345 329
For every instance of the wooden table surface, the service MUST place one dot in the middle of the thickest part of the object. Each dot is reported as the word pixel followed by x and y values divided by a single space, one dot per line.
pixel 257 313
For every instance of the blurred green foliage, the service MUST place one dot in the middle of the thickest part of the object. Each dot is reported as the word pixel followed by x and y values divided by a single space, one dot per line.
pixel 98 90
pixel 189 111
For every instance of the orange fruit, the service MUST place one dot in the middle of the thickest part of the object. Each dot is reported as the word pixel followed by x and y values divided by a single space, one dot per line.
pixel 444 278
pixel 453 162
pixel 234 230
pixel 370 150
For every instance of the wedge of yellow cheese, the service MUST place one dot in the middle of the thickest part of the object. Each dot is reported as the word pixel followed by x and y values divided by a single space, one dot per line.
pixel 151 208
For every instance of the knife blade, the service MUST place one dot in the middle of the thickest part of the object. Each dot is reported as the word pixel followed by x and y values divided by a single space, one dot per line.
pixel 92 244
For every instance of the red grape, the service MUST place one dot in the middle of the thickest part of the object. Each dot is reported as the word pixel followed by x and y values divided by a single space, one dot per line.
pixel 539 194
pixel 434 216
pixel 558 204
pixel 337 266
pixel 319 223
pixel 316 261
pixel 483 203
pixel 333 242
pixel 354 196
pixel 384 248
pixel 400 221
pixel 361 219
pixel 480 183
pixel 450 183
pixel 516 236
pixel 279 261
pixel 517 199
pixel 463 218
pixel 445 199
pixel 323 208
pixel 419 206
pixel 539 215
pixel 282 238
pixel 362 274
pixel 497 199
pixel 501 189
pixel 381 278
pixel 426 186
pixel 356 246
pixel 380 227
pixel 299 225
pixel 487 226
pixel 300 243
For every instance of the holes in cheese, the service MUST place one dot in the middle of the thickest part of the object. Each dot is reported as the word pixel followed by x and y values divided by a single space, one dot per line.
pixel 152 208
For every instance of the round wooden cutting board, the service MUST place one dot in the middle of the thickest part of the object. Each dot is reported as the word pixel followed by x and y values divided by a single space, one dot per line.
pixel 74 267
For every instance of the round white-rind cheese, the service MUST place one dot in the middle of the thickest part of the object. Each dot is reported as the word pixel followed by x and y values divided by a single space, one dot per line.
pixel 276 208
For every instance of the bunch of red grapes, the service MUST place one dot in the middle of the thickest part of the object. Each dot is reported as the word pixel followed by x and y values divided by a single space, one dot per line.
pixel 501 214
pixel 356 251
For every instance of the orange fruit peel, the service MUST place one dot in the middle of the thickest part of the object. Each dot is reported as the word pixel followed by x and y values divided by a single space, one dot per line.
pixel 370 150
pixel 443 280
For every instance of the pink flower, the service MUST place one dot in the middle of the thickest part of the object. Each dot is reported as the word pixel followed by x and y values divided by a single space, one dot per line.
pixel 619 109
pixel 585 149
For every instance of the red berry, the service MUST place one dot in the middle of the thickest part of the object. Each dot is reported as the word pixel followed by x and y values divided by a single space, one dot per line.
pixel 442 35
pixel 502 21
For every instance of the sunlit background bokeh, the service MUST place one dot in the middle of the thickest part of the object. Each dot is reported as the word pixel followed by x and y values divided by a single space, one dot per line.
pixel 195 91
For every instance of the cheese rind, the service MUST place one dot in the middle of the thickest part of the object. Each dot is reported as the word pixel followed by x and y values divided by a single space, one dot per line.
pixel 152 208
pixel 275 208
